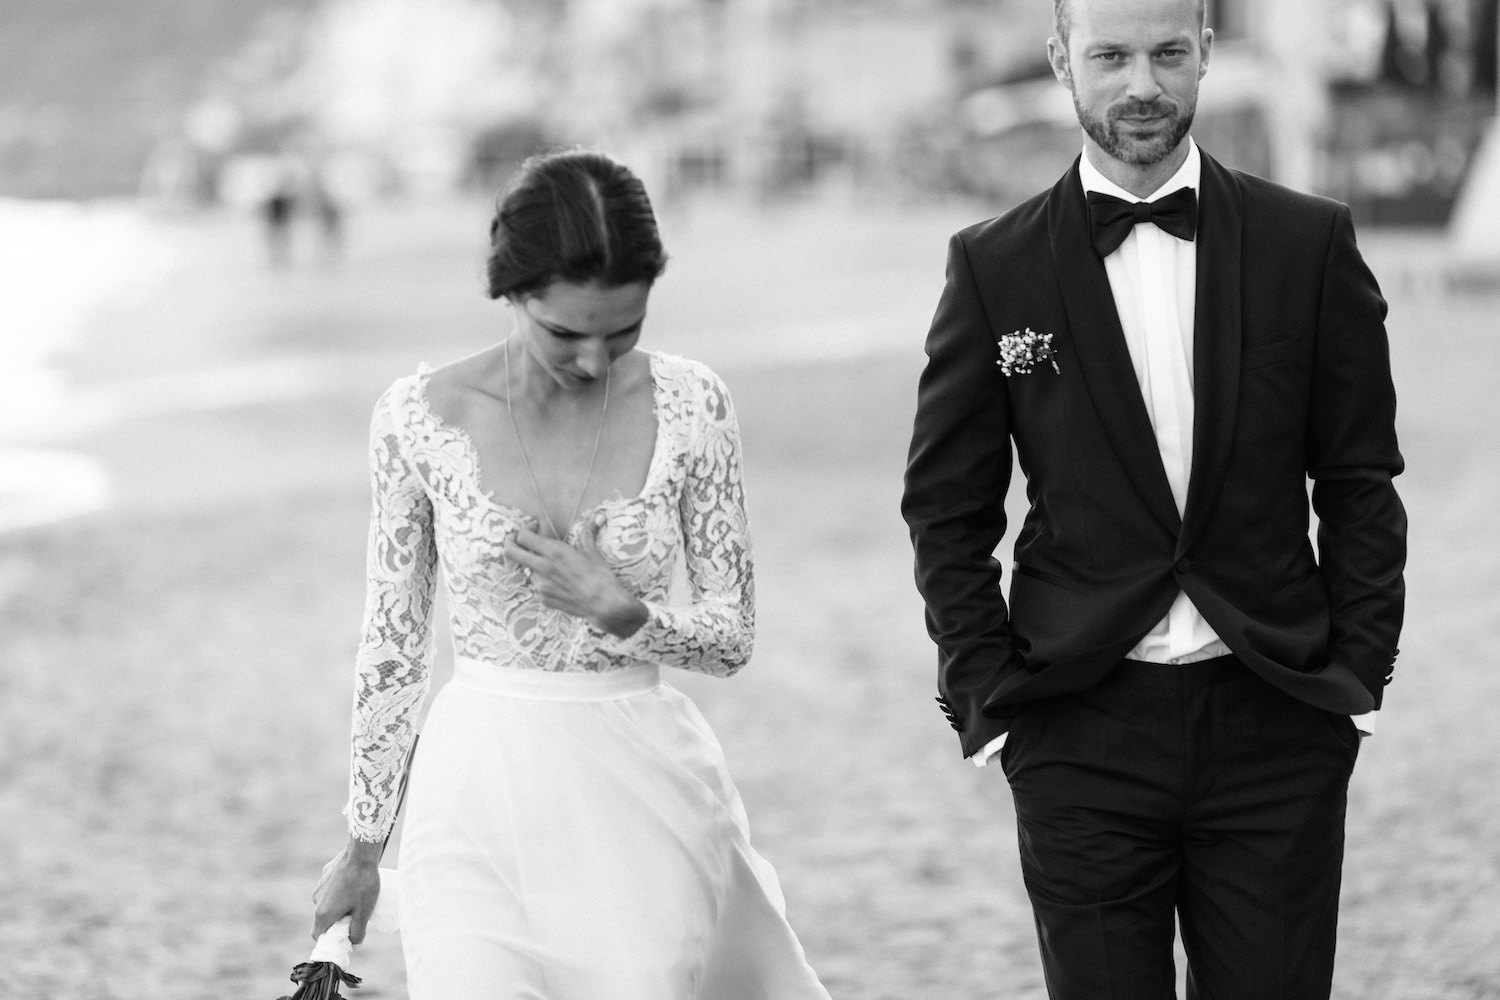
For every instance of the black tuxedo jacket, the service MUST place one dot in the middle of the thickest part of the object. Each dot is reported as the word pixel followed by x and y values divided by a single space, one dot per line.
pixel 1291 381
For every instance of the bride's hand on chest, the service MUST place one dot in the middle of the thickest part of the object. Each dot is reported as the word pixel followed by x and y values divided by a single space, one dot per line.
pixel 576 579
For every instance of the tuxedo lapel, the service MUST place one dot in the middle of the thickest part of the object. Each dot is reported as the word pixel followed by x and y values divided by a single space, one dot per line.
pixel 1103 357
pixel 1216 344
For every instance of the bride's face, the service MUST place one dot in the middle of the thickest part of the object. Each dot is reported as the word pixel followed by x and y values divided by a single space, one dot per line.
pixel 576 331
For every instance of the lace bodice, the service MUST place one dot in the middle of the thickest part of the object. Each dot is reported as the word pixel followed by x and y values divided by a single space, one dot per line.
pixel 429 510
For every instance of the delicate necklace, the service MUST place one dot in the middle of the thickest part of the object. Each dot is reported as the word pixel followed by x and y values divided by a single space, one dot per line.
pixel 510 409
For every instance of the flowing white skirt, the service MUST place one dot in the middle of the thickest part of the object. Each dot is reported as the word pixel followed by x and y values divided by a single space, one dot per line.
pixel 577 837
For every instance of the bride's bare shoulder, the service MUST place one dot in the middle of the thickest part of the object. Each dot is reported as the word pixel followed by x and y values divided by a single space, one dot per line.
pixel 452 388
pixel 633 372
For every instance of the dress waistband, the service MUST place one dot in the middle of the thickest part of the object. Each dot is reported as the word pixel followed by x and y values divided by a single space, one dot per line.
pixel 552 685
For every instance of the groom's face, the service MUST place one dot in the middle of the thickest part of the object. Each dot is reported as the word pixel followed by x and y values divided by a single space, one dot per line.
pixel 1133 67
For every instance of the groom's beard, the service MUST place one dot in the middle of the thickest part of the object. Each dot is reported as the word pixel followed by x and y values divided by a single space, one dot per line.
pixel 1143 151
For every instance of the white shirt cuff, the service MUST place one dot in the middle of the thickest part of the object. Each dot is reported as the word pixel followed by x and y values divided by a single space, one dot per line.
pixel 1366 723
pixel 991 748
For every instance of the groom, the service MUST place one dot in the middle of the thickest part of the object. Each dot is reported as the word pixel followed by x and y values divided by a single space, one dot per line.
pixel 1172 349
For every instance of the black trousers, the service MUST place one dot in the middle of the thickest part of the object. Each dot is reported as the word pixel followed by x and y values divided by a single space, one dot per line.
pixel 1195 792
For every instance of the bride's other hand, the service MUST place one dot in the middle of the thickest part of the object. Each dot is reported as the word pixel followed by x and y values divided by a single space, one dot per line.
pixel 577 580
pixel 349 888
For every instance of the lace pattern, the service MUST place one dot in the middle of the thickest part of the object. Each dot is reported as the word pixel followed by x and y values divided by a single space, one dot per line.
pixel 429 506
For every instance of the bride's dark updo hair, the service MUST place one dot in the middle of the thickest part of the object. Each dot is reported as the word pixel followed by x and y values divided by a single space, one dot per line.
pixel 576 216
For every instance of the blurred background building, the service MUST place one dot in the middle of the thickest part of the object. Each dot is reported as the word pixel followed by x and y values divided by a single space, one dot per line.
pixel 1381 103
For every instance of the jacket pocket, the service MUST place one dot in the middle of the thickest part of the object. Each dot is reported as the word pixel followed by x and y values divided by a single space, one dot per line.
pixel 1265 355
pixel 1043 575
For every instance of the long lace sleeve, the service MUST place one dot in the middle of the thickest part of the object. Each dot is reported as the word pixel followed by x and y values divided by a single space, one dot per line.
pixel 713 634
pixel 393 667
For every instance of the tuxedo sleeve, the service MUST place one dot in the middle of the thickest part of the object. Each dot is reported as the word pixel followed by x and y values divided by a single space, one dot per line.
pixel 1352 460
pixel 957 474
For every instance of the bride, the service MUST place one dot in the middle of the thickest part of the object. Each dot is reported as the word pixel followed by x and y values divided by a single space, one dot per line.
pixel 572 830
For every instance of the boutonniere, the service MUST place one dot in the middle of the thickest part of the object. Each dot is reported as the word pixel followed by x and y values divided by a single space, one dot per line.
pixel 1023 350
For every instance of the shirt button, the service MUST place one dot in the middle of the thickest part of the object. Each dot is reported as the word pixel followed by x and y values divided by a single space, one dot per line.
pixel 1184 565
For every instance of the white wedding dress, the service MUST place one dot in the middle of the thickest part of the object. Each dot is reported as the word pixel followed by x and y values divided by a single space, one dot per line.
pixel 572 832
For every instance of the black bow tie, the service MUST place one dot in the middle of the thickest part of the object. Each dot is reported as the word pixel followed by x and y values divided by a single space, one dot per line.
pixel 1111 219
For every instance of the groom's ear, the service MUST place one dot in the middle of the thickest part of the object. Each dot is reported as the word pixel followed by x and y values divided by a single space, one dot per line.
pixel 1057 57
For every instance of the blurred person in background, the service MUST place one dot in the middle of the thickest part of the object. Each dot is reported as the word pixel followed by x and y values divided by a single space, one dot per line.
pixel 1178 686
pixel 572 830
pixel 278 209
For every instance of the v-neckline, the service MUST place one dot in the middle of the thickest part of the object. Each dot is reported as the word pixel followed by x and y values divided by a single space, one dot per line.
pixel 424 373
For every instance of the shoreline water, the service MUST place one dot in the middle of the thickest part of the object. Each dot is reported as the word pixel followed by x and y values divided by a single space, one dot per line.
pixel 61 261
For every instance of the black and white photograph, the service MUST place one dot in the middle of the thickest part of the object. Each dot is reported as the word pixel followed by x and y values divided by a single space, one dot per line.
pixel 749 499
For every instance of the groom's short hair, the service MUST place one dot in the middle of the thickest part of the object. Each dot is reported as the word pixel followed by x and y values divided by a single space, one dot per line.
pixel 1060 24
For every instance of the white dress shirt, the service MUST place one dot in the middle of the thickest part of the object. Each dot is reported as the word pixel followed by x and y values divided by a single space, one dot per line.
pixel 1153 276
